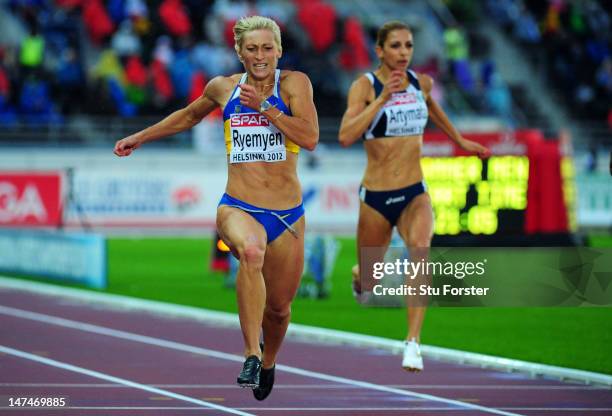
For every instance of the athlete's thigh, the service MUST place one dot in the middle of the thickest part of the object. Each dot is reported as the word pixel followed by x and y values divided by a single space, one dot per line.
pixel 373 229
pixel 416 223
pixel 283 265
pixel 373 237
pixel 238 228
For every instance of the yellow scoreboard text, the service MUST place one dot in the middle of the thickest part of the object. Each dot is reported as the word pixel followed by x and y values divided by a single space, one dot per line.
pixel 449 179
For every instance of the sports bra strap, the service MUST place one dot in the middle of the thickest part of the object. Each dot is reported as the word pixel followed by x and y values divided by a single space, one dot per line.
pixel 378 86
pixel 277 83
pixel 413 79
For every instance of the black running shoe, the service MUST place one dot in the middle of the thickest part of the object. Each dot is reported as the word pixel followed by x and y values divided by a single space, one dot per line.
pixel 266 382
pixel 249 376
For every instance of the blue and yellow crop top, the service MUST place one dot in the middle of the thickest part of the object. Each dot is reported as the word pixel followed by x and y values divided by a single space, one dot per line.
pixel 404 114
pixel 249 135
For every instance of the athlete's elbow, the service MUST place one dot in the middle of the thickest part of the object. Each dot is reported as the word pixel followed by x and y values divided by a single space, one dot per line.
pixel 311 142
pixel 345 139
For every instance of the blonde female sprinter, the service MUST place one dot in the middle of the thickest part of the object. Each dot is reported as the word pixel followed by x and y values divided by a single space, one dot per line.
pixel 268 116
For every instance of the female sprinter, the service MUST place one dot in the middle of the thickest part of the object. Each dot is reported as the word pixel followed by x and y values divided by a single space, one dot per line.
pixel 268 116
pixel 389 109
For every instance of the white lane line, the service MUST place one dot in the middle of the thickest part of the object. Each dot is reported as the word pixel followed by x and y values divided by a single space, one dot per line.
pixel 322 409
pixel 113 379
pixel 67 323
pixel 325 386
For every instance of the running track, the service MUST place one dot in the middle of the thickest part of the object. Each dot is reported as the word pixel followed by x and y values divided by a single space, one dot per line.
pixel 109 360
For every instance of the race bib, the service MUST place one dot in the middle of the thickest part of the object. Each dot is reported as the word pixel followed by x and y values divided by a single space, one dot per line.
pixel 255 139
pixel 406 114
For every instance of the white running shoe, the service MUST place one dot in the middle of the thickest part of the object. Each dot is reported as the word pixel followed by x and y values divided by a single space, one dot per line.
pixel 412 360
pixel 361 296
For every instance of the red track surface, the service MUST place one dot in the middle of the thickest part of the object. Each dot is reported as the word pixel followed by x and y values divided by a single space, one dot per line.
pixel 199 362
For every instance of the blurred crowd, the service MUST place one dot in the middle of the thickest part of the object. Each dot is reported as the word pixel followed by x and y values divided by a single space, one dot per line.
pixel 149 57
pixel 571 40
pixel 135 57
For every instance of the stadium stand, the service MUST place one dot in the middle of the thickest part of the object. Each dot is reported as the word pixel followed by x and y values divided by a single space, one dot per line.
pixel 67 60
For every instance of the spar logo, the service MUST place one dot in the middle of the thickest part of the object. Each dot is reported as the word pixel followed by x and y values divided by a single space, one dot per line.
pixel 19 207
pixel 249 120
pixel 400 98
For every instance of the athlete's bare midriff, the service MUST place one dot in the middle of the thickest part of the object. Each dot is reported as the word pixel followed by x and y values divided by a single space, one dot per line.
pixel 393 163
pixel 266 185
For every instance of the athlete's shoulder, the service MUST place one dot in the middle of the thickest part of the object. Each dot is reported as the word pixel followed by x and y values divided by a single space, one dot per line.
pixel 220 86
pixel 362 85
pixel 223 82
pixel 295 83
pixel 366 79
pixel 425 81
pixel 293 76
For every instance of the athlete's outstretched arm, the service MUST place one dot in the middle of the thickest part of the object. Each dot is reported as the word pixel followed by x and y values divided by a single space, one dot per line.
pixel 302 127
pixel 179 121
pixel 439 117
pixel 359 114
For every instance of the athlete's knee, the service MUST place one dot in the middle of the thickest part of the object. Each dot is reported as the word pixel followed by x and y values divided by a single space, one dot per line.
pixel 278 312
pixel 420 241
pixel 252 254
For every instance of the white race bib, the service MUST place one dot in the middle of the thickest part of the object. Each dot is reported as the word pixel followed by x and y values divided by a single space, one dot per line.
pixel 255 139
pixel 406 114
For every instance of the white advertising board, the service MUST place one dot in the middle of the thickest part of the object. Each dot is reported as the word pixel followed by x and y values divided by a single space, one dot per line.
pixel 189 198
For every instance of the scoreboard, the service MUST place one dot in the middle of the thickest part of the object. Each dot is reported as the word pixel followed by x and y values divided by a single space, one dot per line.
pixel 478 196
pixel 524 187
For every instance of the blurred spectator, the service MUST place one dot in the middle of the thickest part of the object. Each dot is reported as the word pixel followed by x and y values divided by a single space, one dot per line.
pixel 603 77
pixel 69 77
pixel 456 45
pixel 181 71
pixel 35 103
pixel 355 53
pixel 591 160
pixel 32 52
pixel 552 21
pixel 598 19
pixel 136 75
pixel 135 71
pixel 125 42
pixel 123 106
pixel 97 21
pixel 174 17
pixel 5 84
pixel 498 98
pixel 109 66
pixel 526 28
pixel 163 51
pixel 7 113
pixel 198 82
pixel 117 10
pixel 319 21
pixel 162 84
pixel 457 52
pixel 136 9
